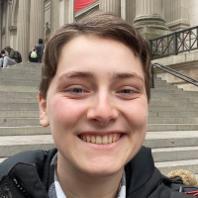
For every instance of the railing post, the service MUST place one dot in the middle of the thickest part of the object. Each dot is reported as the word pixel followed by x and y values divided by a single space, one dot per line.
pixel 197 35
pixel 152 76
pixel 175 41
pixel 151 49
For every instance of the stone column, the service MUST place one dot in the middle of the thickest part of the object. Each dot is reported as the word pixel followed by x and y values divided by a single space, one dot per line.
pixel 66 11
pixel 54 15
pixel 177 14
pixel 23 28
pixel 8 5
pixel 130 10
pixel 123 9
pixel 36 21
pixel 69 11
pixel 112 6
pixel 149 18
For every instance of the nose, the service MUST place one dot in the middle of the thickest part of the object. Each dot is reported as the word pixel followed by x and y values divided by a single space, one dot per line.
pixel 103 111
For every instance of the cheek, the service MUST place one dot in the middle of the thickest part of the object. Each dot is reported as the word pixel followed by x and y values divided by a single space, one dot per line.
pixel 137 113
pixel 65 112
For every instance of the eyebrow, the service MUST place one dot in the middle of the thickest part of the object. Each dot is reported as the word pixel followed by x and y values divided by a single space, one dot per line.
pixel 77 74
pixel 133 75
pixel 89 75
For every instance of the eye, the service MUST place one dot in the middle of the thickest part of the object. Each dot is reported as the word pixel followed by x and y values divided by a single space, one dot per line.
pixel 76 91
pixel 127 92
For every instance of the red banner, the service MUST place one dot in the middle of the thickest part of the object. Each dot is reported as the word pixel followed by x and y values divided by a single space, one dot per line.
pixel 80 4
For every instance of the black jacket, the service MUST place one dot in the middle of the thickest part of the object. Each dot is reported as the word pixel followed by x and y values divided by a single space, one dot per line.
pixel 28 175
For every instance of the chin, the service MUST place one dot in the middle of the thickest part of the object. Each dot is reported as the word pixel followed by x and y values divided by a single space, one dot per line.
pixel 103 173
pixel 103 169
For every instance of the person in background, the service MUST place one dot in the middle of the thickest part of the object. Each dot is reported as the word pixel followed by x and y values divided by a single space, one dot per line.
pixel 33 56
pixel 39 49
pixel 94 95
pixel 7 57
pixel 2 54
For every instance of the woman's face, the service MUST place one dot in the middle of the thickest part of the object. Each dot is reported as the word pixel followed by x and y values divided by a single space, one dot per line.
pixel 96 106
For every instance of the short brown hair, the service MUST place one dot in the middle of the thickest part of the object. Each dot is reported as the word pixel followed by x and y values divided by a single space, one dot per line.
pixel 99 24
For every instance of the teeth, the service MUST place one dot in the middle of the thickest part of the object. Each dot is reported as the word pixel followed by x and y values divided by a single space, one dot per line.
pixel 87 139
pixel 100 139
pixel 105 139
pixel 110 138
pixel 93 139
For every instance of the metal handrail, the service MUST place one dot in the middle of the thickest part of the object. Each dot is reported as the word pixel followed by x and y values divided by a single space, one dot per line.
pixel 174 43
pixel 174 73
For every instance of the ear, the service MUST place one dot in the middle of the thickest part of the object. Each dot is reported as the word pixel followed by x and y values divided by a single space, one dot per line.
pixel 44 121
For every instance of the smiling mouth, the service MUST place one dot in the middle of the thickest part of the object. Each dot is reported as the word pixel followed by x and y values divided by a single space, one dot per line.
pixel 100 139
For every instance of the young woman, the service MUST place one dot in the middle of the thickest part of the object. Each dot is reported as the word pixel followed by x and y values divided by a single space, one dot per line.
pixel 94 96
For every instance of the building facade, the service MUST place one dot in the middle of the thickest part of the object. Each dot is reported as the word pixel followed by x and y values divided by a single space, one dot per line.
pixel 22 22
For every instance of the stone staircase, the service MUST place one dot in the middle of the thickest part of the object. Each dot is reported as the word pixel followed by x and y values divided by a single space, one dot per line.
pixel 172 130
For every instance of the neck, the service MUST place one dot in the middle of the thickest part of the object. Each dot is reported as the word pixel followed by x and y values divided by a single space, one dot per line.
pixel 78 184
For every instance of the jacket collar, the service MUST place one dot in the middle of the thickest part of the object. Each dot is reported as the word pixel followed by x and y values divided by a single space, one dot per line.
pixel 140 170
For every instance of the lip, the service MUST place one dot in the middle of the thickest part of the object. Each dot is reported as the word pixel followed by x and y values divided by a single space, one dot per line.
pixel 101 132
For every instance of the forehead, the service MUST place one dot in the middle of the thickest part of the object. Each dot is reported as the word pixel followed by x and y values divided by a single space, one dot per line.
pixel 90 53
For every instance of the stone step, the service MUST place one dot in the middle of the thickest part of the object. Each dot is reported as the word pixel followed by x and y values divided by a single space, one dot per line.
pixel 19 114
pixel 16 82
pixel 162 100
pixel 173 100
pixel 172 127
pixel 13 88
pixel 18 74
pixel 159 83
pixel 175 91
pixel 23 130
pixel 172 105
pixel 173 108
pixel 172 120
pixel 22 68
pixel 17 107
pixel 172 95
pixel 170 139
pixel 17 93
pixel 166 167
pixel 20 101
pixel 165 114
pixel 175 153
pixel 167 89
pixel 13 122
pixel 10 145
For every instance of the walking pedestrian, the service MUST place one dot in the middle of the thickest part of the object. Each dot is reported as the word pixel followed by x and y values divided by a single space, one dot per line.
pixel 39 49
